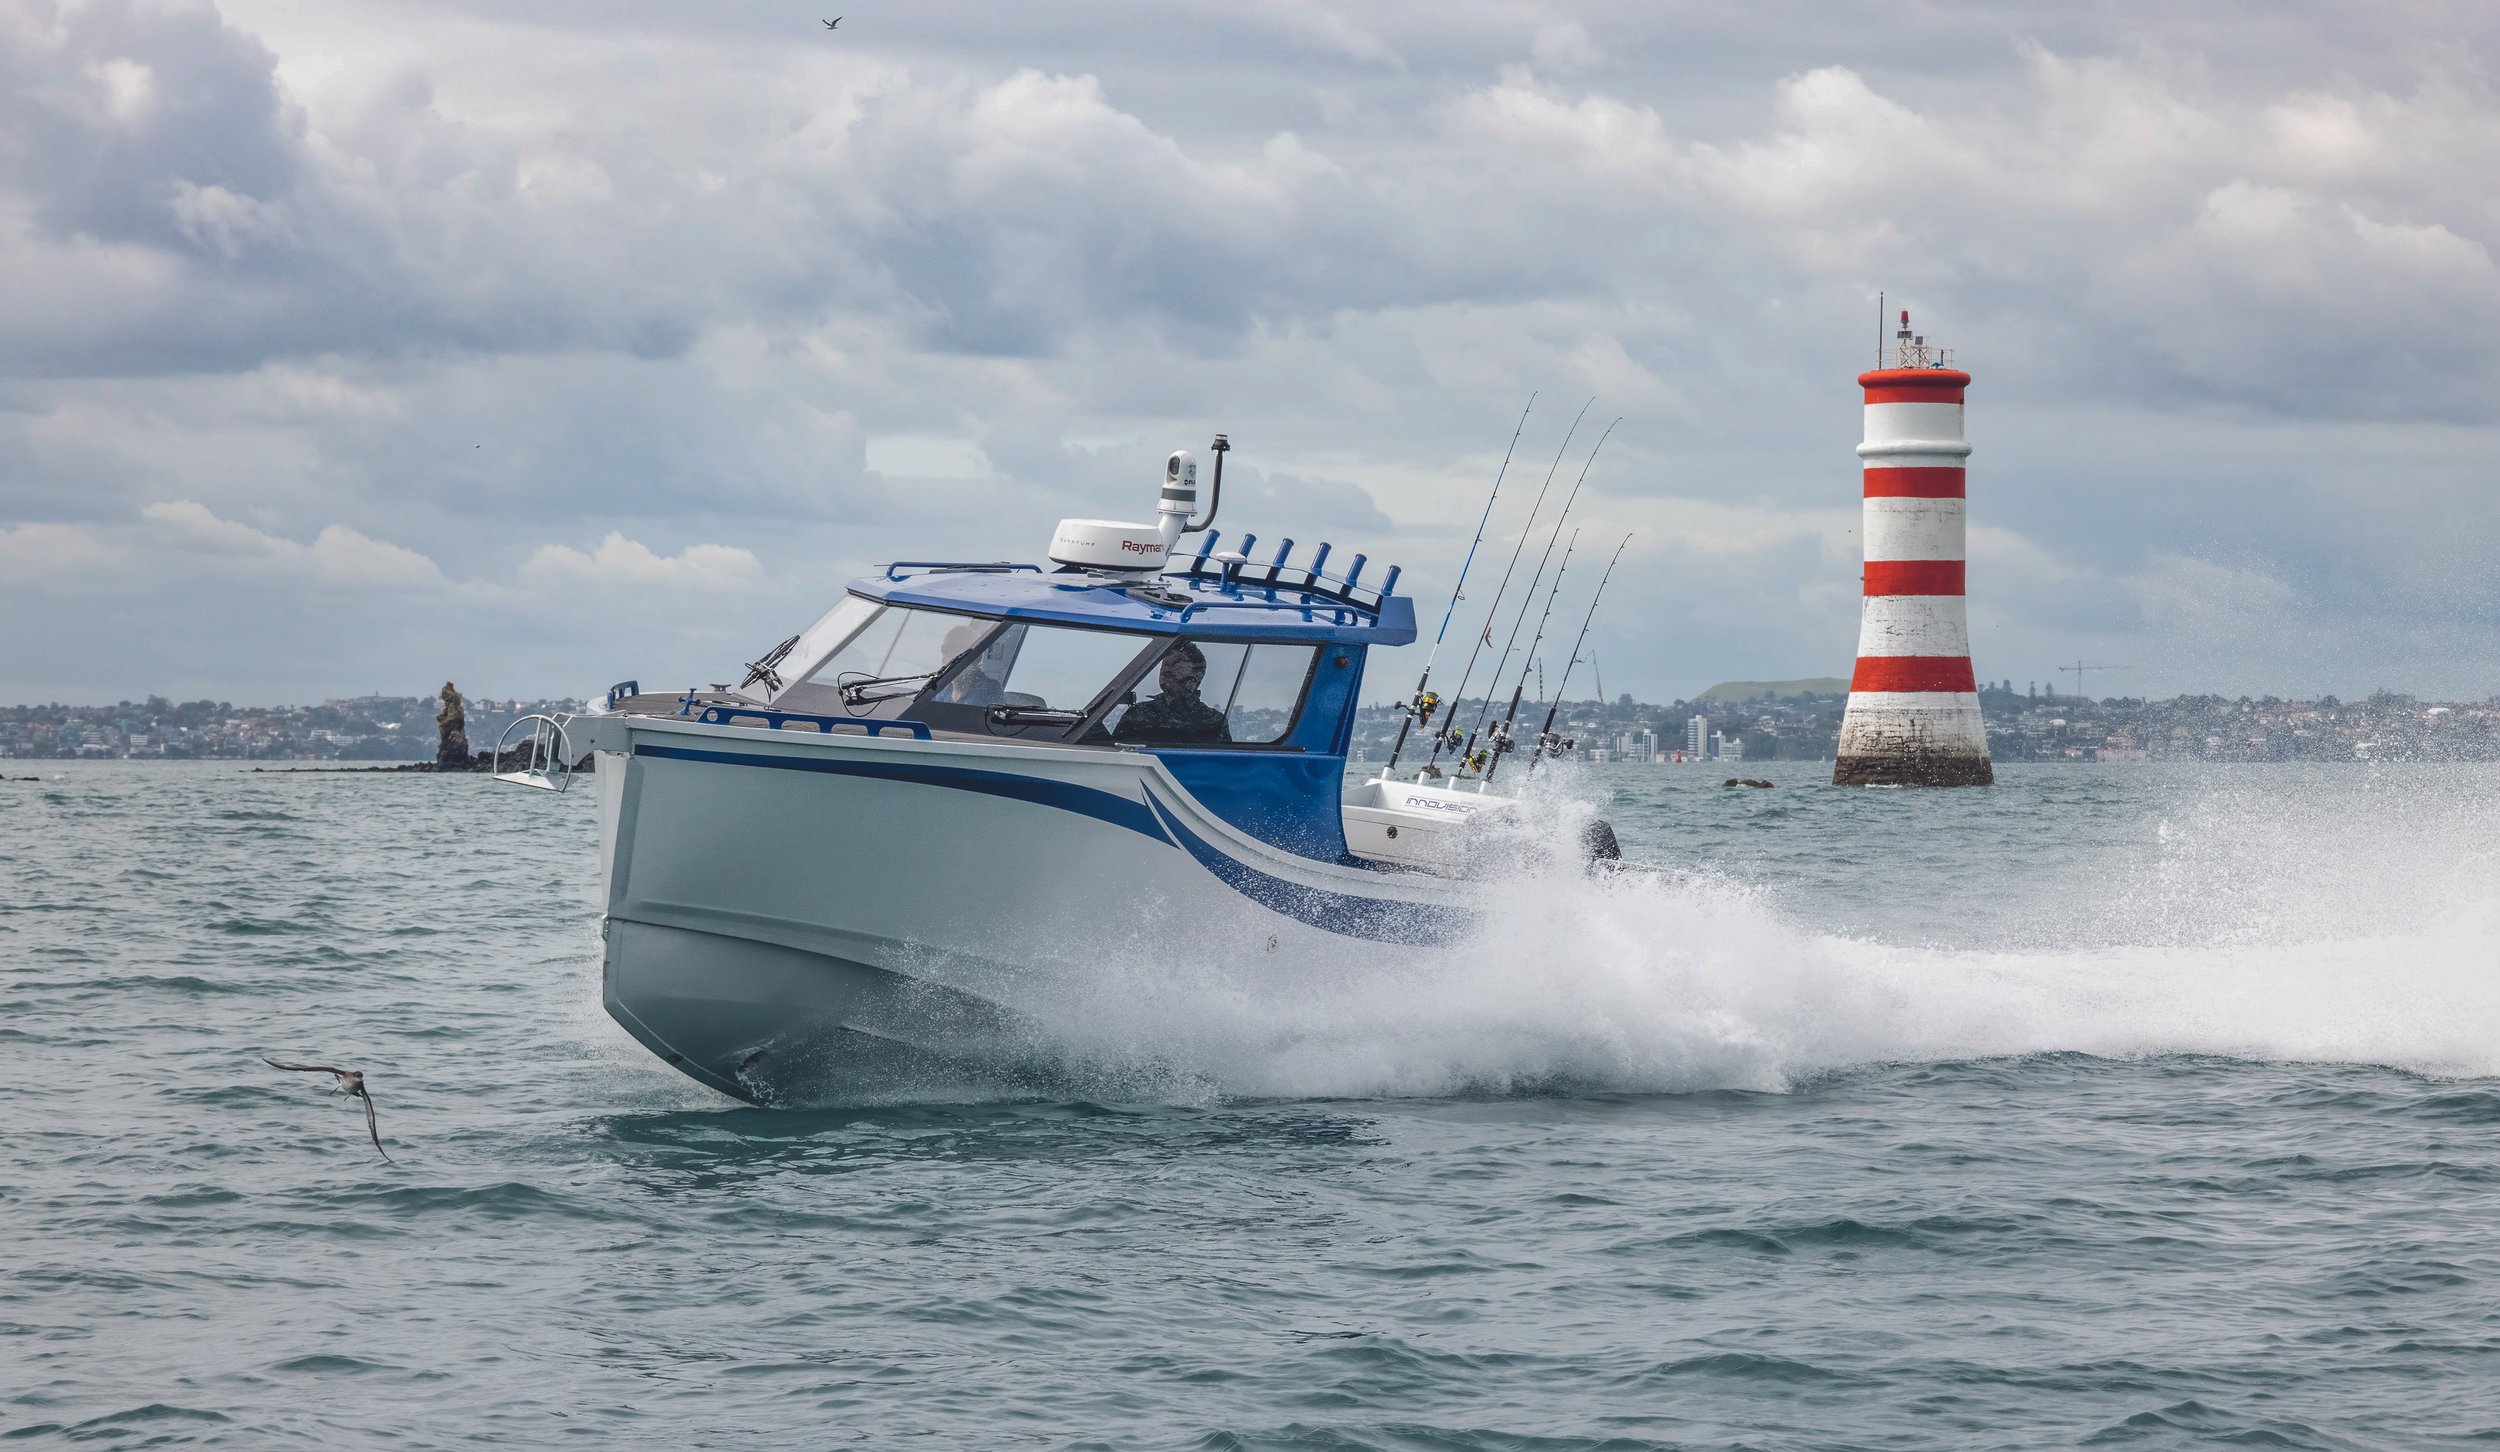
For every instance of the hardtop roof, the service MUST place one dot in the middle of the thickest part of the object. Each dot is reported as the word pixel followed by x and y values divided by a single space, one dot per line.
pixel 1256 602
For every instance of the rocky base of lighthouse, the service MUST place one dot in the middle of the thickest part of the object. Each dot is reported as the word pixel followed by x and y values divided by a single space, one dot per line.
pixel 1886 744
pixel 1916 770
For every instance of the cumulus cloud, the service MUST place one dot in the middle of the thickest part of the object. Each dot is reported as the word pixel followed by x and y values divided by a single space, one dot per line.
pixel 392 314
pixel 619 561
pixel 185 541
pixel 338 557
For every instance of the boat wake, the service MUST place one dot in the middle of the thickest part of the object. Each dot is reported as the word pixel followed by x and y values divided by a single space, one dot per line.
pixel 2263 931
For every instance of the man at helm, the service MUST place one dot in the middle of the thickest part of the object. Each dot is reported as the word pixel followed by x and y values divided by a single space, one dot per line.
pixel 1176 717
pixel 973 685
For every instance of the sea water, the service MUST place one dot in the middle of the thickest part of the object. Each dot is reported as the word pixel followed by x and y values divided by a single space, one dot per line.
pixel 2114 1105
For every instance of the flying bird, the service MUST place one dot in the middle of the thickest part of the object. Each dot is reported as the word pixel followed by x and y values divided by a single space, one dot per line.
pixel 834 24
pixel 351 1081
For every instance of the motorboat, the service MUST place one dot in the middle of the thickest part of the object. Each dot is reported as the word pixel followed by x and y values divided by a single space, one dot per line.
pixel 865 869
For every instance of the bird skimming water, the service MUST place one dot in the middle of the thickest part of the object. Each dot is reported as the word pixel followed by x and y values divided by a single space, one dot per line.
pixel 351 1081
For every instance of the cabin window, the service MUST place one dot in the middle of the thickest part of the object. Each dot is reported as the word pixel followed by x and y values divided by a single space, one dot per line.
pixel 1037 682
pixel 886 659
pixel 818 643
pixel 1218 692
pixel 1266 690
pixel 1040 668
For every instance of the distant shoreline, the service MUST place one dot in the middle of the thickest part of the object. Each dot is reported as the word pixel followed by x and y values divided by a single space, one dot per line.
pixel 1761 724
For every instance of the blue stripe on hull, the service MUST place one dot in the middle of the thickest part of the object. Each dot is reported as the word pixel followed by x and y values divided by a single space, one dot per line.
pixel 1349 916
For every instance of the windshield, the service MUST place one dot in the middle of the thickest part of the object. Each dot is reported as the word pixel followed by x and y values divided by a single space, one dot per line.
pixel 1041 667
pixel 1034 681
pixel 818 643
pixel 886 656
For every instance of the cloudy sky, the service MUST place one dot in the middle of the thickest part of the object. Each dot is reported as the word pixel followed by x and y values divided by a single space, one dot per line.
pixel 347 347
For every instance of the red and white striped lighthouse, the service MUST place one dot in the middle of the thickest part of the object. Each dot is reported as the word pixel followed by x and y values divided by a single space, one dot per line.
pixel 1913 717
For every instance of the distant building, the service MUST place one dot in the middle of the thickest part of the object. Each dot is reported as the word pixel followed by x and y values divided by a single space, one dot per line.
pixel 1697 737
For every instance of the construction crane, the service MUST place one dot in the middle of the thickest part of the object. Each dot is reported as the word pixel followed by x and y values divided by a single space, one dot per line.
pixel 2078 668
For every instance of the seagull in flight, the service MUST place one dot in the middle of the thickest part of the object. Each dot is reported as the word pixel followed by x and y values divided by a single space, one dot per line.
pixel 834 24
pixel 351 1081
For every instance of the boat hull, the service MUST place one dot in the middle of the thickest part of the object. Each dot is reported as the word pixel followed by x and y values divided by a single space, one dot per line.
pixel 771 1024
pixel 794 917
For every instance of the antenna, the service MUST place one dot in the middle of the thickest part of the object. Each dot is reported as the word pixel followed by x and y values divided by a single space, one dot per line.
pixel 1879 327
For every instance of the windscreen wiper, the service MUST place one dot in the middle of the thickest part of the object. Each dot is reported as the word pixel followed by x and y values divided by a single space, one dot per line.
pixel 1033 716
pixel 855 693
pixel 767 669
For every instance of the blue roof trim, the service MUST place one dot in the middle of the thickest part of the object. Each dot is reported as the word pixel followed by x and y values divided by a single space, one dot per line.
pixel 1236 609
pixel 1345 914
pixel 1103 806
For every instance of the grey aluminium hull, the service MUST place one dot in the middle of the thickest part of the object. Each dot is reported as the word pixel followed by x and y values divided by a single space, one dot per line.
pixel 795 917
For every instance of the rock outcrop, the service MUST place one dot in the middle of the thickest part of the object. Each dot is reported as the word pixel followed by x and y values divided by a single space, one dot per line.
pixel 451 750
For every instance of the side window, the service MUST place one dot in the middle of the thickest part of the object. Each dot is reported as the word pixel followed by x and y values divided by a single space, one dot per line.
pixel 1182 700
pixel 1266 690
pixel 1059 670
pixel 1215 692
pixel 1224 662
pixel 1035 682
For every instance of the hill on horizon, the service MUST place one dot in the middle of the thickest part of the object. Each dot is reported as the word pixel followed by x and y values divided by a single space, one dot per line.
pixel 1755 690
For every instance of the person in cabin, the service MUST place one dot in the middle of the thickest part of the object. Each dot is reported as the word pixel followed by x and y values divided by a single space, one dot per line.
pixel 1176 717
pixel 973 685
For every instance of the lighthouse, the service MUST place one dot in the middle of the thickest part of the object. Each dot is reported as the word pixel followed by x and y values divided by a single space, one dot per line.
pixel 1913 717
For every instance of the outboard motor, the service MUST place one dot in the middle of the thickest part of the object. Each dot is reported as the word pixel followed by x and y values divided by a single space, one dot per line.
pixel 1110 545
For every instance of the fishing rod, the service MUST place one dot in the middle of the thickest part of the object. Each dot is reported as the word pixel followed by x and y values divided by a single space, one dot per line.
pixel 1484 637
pixel 1418 708
pixel 1547 743
pixel 1498 741
pixel 1466 753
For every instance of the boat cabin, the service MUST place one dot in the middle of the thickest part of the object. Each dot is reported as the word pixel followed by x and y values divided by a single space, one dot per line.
pixel 1242 679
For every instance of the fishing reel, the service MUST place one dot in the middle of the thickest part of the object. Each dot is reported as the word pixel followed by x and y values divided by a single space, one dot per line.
pixel 1451 737
pixel 1550 745
pixel 1424 705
